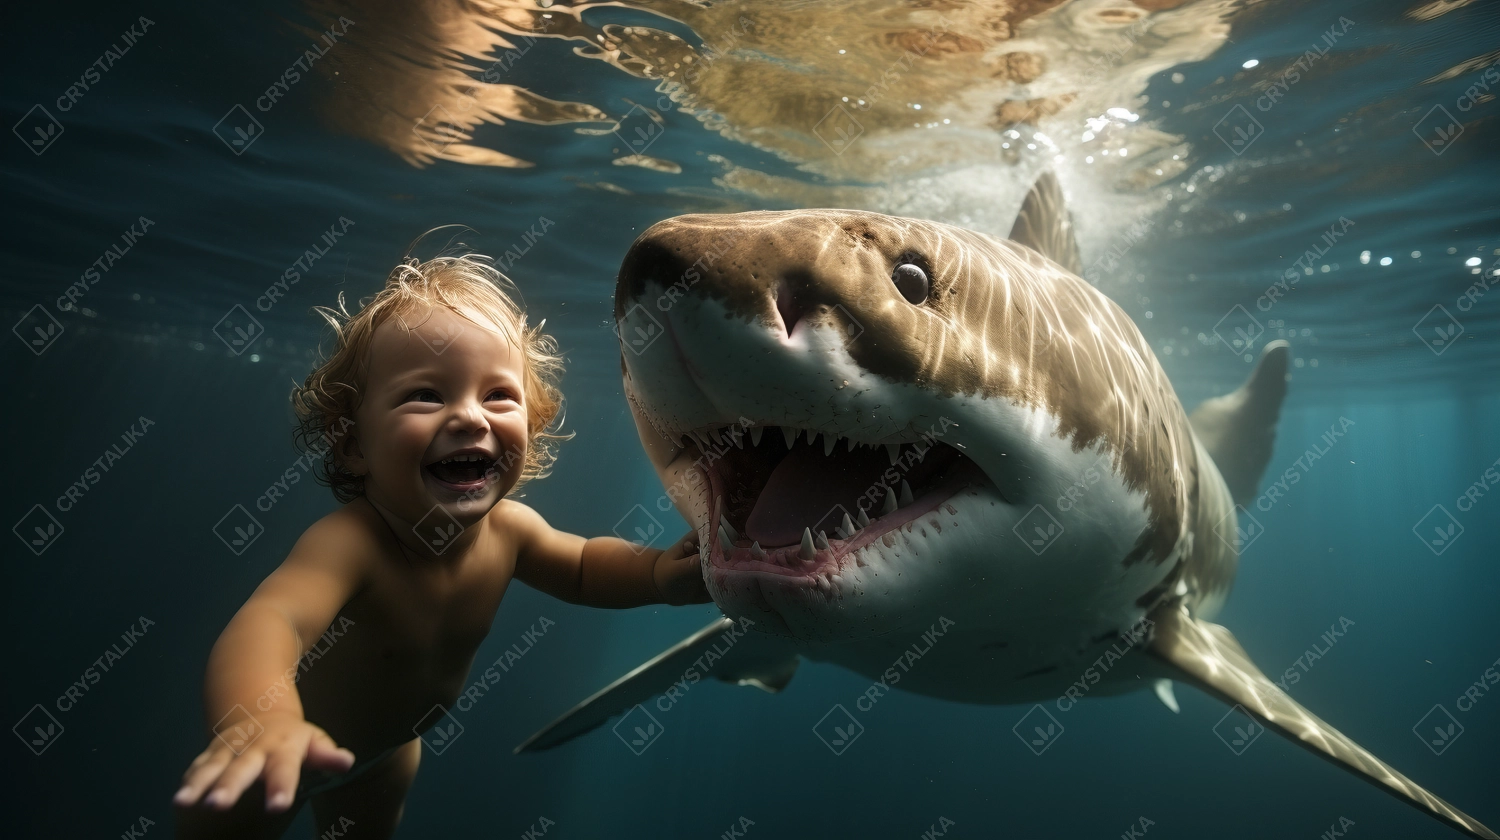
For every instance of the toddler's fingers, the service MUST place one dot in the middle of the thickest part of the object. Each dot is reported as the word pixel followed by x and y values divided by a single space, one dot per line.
pixel 241 773
pixel 283 768
pixel 324 754
pixel 203 772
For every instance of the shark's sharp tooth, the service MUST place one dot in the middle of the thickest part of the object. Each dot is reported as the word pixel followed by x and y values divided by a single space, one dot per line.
pixel 821 541
pixel 737 437
pixel 756 551
pixel 812 436
pixel 829 441
pixel 863 519
pixel 906 498
pixel 894 451
pixel 718 508
pixel 848 526
pixel 714 433
pixel 789 435
pixel 807 544
pixel 725 528
pixel 755 433
pixel 890 502
pixel 851 444
pixel 725 542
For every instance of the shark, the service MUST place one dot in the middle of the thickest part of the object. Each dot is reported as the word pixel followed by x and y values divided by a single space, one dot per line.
pixel 886 429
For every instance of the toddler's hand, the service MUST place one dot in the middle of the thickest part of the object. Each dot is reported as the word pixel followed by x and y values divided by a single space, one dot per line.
pixel 678 574
pixel 278 754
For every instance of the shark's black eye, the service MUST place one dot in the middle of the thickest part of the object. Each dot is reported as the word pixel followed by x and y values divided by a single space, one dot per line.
pixel 911 281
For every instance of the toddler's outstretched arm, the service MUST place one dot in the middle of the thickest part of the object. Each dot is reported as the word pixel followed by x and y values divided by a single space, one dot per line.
pixel 603 571
pixel 248 668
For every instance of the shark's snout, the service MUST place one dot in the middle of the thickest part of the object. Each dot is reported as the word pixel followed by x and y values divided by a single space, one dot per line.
pixel 781 270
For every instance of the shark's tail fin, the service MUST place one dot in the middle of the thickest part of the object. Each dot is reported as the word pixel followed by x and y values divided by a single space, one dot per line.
pixel 1208 656
pixel 1044 225
pixel 1239 428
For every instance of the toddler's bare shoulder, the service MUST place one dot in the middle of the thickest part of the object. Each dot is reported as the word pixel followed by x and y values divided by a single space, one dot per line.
pixel 351 531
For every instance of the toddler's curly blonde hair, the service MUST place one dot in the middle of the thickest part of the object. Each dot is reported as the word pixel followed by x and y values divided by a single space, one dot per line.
pixel 326 402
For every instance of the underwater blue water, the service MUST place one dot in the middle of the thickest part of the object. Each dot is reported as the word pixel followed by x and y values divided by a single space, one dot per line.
pixel 1340 544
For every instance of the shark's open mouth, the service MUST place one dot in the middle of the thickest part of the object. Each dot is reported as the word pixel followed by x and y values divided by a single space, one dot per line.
pixel 801 503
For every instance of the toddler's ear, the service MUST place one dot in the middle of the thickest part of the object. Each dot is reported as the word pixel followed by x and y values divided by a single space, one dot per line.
pixel 348 455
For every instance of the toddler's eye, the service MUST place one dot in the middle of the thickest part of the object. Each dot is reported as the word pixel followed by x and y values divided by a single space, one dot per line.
pixel 424 395
pixel 502 395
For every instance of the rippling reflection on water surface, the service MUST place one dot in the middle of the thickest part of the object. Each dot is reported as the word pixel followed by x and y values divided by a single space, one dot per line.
pixel 1198 141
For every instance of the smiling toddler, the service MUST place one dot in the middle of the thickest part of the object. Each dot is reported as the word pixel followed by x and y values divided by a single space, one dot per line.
pixel 438 402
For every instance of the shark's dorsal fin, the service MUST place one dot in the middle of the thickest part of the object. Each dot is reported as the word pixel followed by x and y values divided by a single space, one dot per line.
pixel 1207 656
pixel 1239 428
pixel 748 658
pixel 1044 225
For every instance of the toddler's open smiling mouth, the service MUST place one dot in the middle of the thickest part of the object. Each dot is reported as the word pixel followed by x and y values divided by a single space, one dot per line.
pixel 462 471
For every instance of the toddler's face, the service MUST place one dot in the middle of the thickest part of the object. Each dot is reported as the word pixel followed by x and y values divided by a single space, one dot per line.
pixel 443 421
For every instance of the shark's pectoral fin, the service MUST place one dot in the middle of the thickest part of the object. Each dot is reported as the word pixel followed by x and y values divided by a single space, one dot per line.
pixel 1045 226
pixel 724 650
pixel 1207 656
pixel 1238 429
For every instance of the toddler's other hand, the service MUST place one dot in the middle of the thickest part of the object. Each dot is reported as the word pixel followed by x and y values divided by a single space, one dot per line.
pixel 277 755
pixel 678 574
